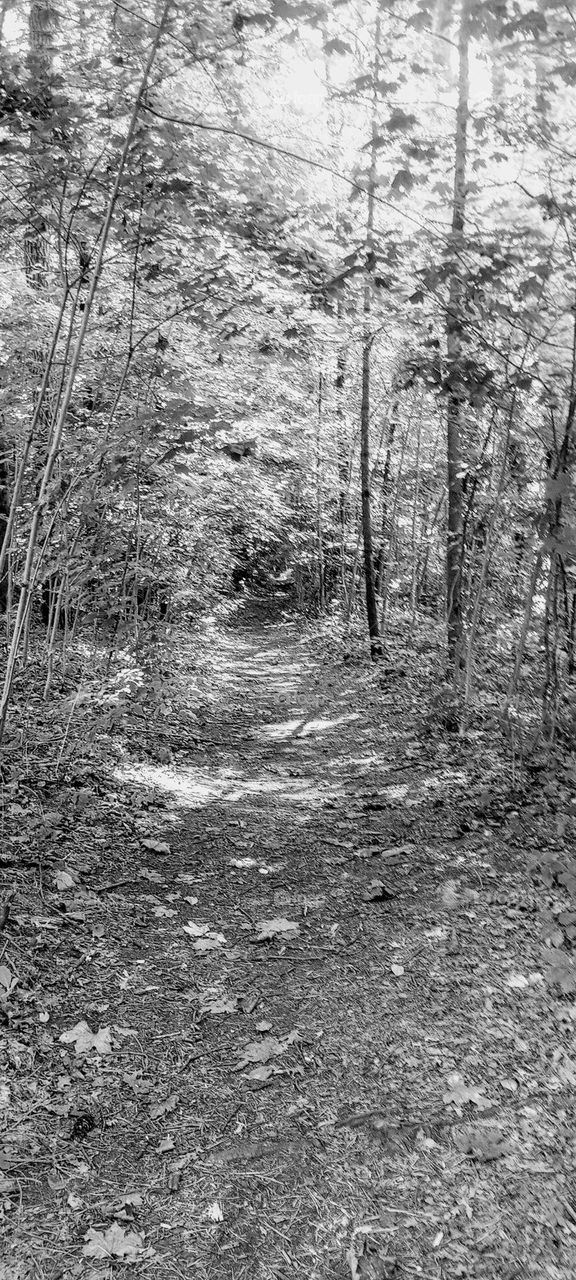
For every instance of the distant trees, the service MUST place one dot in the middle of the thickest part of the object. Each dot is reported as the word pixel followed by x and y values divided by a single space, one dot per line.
pixel 364 273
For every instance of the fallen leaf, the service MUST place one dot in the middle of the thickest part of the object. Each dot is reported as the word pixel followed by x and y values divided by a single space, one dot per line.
pixel 217 1002
pixel 85 1040
pixel 7 979
pixel 113 1243
pixel 156 846
pixel 211 943
pixel 274 928
pixel 196 930
pixel 214 1212
pixel 162 1108
pixel 131 1200
pixel 63 880
pixel 263 1050
pixel 460 1093
pixel 264 1072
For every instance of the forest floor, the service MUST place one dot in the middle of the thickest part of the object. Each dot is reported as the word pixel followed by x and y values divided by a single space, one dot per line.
pixel 282 999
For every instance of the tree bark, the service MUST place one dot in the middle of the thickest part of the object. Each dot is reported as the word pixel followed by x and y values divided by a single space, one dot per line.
pixel 41 23
pixel 454 341
pixel 383 550
pixel 367 339
pixel 319 499
pixel 70 374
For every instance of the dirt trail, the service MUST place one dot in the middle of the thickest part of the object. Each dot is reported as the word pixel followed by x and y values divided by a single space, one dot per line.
pixel 328 1056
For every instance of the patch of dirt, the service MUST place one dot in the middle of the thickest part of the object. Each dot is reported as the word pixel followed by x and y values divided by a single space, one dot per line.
pixel 276 1003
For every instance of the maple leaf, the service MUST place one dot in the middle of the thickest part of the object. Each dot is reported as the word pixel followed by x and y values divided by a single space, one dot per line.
pixel 273 928
pixel 211 943
pixel 263 1050
pixel 85 1040
pixel 196 930
pixel 460 1093
pixel 113 1243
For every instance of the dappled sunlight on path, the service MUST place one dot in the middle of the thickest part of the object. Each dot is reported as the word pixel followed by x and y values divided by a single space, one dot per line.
pixel 248 686
pixel 193 787
pixel 302 984
pixel 283 741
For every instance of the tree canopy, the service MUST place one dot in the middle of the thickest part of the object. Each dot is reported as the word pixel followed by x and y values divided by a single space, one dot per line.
pixel 289 294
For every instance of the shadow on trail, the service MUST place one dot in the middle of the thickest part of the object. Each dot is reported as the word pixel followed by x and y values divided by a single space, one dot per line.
pixel 308 999
pixel 302 1006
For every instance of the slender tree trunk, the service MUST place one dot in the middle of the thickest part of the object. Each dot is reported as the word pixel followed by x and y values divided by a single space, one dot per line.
pixel 343 461
pixel 383 549
pixel 41 25
pixel 342 452
pixel 558 511
pixel 454 339
pixel 58 428
pixel 393 538
pixel 528 607
pixel 319 499
pixel 367 339
pixel 371 602
pixel 4 516
pixel 415 502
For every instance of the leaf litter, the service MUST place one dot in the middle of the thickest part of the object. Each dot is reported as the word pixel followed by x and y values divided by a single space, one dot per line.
pixel 359 1068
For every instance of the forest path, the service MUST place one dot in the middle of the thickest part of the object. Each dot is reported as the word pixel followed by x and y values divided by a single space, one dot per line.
pixel 330 1056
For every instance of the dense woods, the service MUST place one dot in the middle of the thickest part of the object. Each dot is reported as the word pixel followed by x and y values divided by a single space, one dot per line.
pixel 289 295
pixel 287 639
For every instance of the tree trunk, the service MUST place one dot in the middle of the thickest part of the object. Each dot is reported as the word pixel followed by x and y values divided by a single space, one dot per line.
pixel 342 444
pixel 454 339
pixel 4 516
pixel 383 550
pixel 371 605
pixel 367 339
pixel 416 498
pixel 41 26
pixel 32 562
pixel 319 500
